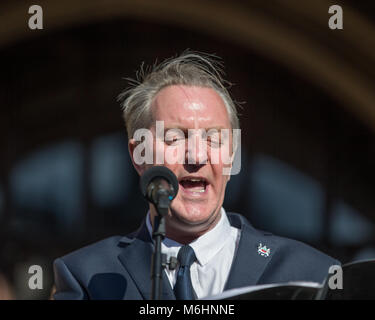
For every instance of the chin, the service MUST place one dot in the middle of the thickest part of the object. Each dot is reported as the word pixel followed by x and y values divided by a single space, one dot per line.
pixel 194 214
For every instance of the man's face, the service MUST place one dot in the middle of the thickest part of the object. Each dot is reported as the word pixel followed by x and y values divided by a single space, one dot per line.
pixel 196 208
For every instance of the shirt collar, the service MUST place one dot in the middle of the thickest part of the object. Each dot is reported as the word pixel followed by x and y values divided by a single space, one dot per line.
pixel 206 246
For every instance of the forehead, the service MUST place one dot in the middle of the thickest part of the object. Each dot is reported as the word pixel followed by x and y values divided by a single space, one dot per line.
pixel 190 107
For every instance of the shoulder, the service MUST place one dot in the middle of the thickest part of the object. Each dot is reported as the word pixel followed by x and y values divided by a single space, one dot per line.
pixel 297 261
pixel 303 253
pixel 100 256
pixel 285 246
pixel 94 271
pixel 289 259
pixel 102 248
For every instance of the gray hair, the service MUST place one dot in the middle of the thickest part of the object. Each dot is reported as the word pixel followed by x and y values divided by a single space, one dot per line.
pixel 190 69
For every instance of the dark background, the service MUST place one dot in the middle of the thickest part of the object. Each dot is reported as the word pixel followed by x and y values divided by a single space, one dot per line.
pixel 307 117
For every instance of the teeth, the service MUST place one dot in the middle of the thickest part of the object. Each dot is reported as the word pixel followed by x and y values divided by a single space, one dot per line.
pixel 194 180
pixel 199 191
pixel 195 185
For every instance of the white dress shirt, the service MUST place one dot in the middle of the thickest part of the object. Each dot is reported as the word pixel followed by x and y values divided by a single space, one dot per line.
pixel 214 250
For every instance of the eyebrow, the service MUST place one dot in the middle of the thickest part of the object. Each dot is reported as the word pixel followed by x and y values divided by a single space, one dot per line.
pixel 183 129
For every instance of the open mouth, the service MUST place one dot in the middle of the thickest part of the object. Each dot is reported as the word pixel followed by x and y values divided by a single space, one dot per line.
pixel 194 185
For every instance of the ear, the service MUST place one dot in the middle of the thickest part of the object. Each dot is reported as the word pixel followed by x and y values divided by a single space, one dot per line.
pixel 227 170
pixel 229 174
pixel 131 146
pixel 231 164
pixel 236 147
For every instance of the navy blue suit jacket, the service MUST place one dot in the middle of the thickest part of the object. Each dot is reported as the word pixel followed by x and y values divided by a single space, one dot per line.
pixel 119 267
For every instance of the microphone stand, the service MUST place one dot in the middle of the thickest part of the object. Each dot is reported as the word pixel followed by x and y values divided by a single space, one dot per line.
pixel 159 260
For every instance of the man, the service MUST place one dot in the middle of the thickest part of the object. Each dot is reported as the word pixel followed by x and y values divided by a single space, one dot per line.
pixel 216 250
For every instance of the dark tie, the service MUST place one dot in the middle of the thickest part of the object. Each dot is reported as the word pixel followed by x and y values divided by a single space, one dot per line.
pixel 183 288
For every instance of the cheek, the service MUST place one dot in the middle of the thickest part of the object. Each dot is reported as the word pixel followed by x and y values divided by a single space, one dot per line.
pixel 158 151
pixel 221 157
pixel 220 179
pixel 174 154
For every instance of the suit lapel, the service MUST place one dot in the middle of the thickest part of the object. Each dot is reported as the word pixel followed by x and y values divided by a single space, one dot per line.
pixel 136 258
pixel 247 268
pixel 249 264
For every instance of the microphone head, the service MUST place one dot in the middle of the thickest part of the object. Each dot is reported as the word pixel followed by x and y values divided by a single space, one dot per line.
pixel 158 172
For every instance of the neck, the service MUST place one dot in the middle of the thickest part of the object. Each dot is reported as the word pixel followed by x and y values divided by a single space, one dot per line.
pixel 183 232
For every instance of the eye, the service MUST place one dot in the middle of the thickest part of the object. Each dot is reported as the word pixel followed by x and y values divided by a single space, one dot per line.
pixel 216 143
pixel 215 140
pixel 176 139
pixel 173 137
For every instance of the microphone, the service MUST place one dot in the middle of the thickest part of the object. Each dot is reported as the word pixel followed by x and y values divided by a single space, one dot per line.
pixel 159 185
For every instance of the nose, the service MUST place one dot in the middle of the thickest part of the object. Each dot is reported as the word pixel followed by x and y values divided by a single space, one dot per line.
pixel 196 152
